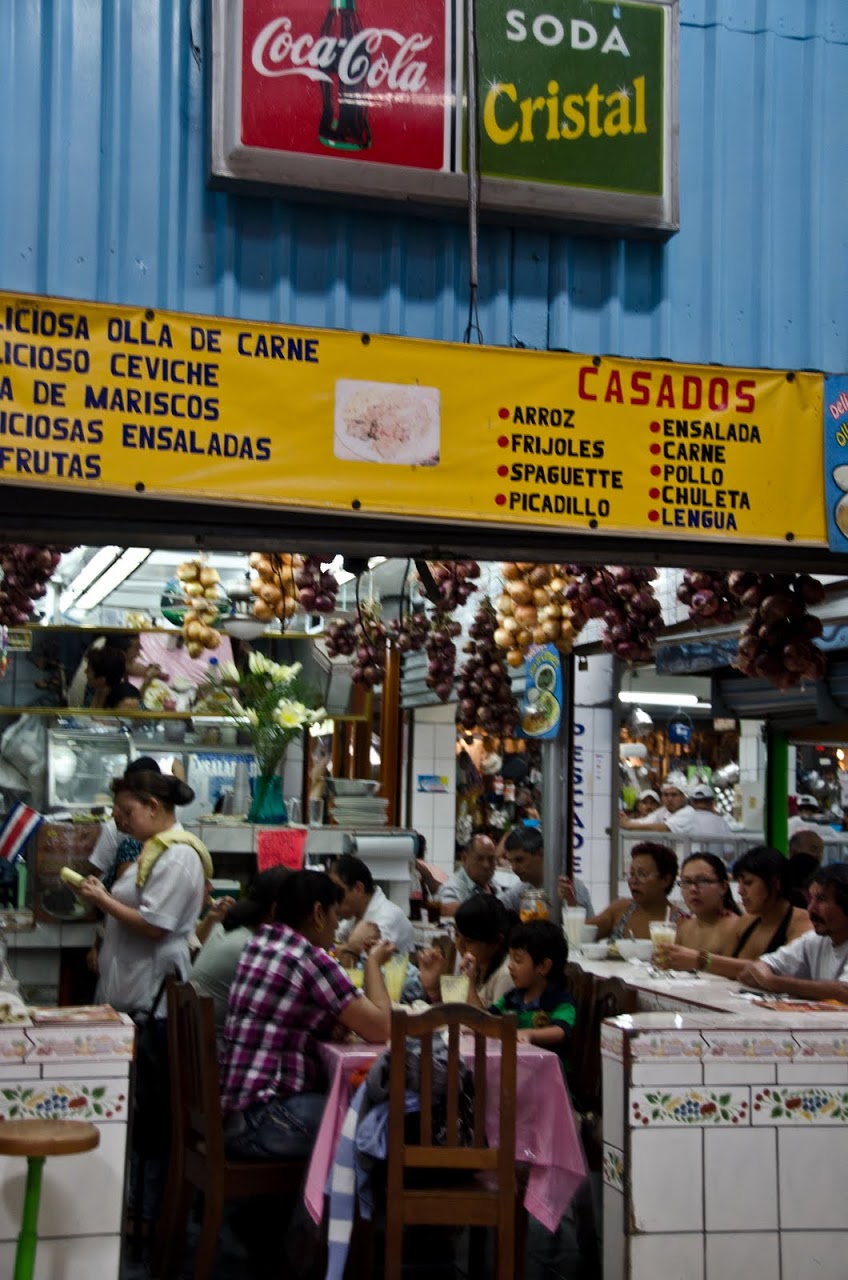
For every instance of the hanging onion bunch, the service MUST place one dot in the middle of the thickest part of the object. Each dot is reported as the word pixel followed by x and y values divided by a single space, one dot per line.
pixel 410 631
pixel 777 642
pixel 340 638
pixel 202 592
pixel 625 601
pixel 317 588
pixel 369 659
pixel 26 571
pixel 707 595
pixel 441 655
pixel 455 580
pixel 533 609
pixel 274 585
pixel 485 692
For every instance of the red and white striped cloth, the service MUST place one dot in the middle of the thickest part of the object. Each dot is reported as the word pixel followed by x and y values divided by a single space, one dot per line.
pixel 20 823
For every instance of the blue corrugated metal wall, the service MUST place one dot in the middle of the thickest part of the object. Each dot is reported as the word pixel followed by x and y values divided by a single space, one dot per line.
pixel 103 195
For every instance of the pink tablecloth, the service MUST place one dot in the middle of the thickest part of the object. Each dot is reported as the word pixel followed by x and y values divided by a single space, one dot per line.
pixel 546 1137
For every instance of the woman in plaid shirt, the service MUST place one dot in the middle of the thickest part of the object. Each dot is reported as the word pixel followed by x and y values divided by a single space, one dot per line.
pixel 288 994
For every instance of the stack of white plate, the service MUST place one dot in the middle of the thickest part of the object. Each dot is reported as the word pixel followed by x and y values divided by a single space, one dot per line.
pixel 360 811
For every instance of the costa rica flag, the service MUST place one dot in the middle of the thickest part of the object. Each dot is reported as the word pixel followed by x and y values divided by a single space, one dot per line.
pixel 19 824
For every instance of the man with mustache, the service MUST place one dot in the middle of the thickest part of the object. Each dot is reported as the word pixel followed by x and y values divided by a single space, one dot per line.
pixel 814 966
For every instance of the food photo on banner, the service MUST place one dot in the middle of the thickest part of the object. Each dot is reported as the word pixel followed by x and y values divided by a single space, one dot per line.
pixel 541 710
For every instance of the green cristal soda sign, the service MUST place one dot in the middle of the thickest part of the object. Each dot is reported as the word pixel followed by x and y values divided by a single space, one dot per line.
pixel 572 93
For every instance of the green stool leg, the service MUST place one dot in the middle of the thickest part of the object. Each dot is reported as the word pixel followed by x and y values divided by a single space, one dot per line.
pixel 28 1238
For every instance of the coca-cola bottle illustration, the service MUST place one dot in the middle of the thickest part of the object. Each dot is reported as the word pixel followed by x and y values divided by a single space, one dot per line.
pixel 344 114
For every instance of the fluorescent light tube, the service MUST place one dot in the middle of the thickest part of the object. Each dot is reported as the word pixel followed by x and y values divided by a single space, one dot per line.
pixel 127 563
pixel 90 572
pixel 663 699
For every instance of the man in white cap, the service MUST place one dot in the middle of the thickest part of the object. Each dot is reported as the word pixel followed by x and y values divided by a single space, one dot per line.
pixel 674 799
pixel 806 819
pixel 691 813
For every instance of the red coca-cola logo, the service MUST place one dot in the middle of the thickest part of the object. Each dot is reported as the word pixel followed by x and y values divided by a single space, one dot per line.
pixel 363 84
pixel 362 60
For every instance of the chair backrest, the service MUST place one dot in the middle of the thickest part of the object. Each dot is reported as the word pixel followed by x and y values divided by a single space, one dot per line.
pixel 474 1154
pixel 193 1066
pixel 608 997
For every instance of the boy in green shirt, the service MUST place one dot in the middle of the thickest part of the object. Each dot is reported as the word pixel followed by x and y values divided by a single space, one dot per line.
pixel 537 956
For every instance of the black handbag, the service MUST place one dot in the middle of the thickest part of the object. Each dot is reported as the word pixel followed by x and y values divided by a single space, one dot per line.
pixel 151 1110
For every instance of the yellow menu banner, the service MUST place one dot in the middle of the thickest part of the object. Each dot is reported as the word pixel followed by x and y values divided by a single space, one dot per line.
pixel 122 400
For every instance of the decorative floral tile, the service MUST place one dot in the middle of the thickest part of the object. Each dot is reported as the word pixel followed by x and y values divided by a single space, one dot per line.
pixel 667 1044
pixel 53 1100
pixel 612 1042
pixel 743 1046
pixel 57 1044
pixel 13 1046
pixel 800 1105
pixel 613 1167
pixel 821 1046
pixel 689 1106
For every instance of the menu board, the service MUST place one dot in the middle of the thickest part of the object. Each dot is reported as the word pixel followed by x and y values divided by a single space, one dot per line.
pixel 102 398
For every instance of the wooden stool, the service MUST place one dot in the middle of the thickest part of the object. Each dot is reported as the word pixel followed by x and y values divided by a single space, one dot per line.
pixel 37 1139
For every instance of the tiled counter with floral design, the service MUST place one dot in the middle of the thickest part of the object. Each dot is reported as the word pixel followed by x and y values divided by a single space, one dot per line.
pixel 65 1063
pixel 726 1146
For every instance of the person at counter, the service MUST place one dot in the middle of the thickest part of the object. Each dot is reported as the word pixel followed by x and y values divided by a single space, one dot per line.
pixel 525 848
pixel 806 850
pixel 287 996
pixel 806 817
pixel 365 912
pixel 476 875
pixel 769 920
pixel 651 877
pixel 814 966
pixel 689 813
pixel 106 673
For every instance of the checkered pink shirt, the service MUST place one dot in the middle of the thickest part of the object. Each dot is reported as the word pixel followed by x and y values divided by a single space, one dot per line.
pixel 286 995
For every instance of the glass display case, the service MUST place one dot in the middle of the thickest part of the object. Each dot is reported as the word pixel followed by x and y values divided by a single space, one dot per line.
pixel 81 764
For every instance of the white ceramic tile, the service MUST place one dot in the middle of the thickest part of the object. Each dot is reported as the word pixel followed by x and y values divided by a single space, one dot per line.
pixel 812 1177
pixel 424 740
pixel 674 1257
pixel 82 1071
pixel 818 1254
pixel 821 1046
pixel 613 1234
pixel 747 1046
pixel 422 810
pixel 444 810
pixel 739 1072
pixel 612 1041
pixel 811 1072
pixel 82 1258
pixel 81 1195
pixel 743 1257
pixel 21 1072
pixel 740 1179
pixel 613 1167
pixel 613 1084
pixel 661 1199
pixel 667 1045
pixel 661 1073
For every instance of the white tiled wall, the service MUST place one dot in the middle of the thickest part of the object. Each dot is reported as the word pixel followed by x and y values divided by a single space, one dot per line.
pixel 434 753
pixel 738 1174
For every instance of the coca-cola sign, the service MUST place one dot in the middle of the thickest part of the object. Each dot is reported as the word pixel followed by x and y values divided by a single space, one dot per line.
pixel 576 108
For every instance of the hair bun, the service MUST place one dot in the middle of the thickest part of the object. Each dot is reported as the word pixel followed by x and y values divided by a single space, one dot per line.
pixel 181 792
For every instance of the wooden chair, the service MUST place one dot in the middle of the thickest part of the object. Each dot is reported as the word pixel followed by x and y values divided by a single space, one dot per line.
pixel 475 1203
pixel 198 1159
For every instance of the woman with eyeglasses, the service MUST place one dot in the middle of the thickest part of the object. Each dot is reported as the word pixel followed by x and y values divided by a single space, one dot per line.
pixel 650 878
pixel 769 920
pixel 712 925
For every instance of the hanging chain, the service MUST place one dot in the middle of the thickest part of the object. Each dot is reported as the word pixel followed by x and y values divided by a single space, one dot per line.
pixel 473 332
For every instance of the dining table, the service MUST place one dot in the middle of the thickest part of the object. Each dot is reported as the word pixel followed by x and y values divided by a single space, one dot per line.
pixel 547 1140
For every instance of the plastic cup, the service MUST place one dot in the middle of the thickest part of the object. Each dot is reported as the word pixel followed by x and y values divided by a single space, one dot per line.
pixel 316 812
pixel 453 988
pixel 573 920
pixel 394 973
pixel 663 933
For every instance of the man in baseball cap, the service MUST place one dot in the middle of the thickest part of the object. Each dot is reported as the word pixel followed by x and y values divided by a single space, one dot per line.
pixel 806 819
